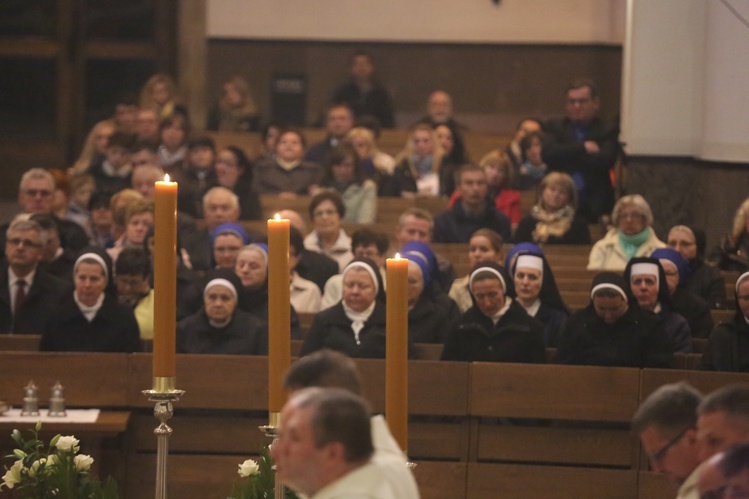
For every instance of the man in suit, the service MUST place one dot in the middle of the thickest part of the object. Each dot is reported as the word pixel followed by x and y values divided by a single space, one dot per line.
pixel 584 146
pixel 27 293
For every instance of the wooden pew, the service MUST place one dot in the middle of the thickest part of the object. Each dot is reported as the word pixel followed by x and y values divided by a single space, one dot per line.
pixel 19 342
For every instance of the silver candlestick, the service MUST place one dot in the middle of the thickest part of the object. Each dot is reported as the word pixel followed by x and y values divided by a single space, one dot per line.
pixel 163 394
pixel 271 431
pixel 57 402
pixel 30 400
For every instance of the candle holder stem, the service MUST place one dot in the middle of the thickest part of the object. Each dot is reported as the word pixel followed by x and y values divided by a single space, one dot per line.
pixel 271 431
pixel 163 394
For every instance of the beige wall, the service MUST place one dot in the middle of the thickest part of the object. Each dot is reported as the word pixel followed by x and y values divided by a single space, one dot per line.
pixel 460 21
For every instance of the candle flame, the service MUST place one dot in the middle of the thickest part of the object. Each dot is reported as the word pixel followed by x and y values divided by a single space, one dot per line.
pixel 397 255
pixel 277 217
pixel 166 177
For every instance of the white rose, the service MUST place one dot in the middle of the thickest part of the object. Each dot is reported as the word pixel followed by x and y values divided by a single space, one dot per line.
pixel 83 462
pixel 248 468
pixel 67 444
pixel 13 475
pixel 35 467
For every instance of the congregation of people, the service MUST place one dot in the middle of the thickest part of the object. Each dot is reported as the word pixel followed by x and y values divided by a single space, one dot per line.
pixel 78 258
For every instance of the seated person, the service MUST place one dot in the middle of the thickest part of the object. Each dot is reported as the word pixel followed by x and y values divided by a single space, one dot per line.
pixel 287 174
pixel 703 280
pixel 536 291
pixel 418 167
pixel 234 171
pixel 356 325
pixel 554 218
pixel 364 94
pixel 326 210
pixel 305 295
pixel 90 319
pixel 432 289
pixel 220 205
pixel 472 212
pixel 728 345
pixel 144 178
pixel 235 110
pixel 498 178
pixel 735 246
pixel 375 163
pixel 220 327
pixel 690 306
pixel 173 133
pixel 195 175
pixel 440 110
pixel 252 269
pixel 485 246
pixel 339 119
pixel 514 150
pixel 613 331
pixel 112 172
pixel 647 283
pixel 131 276
pixel 632 236
pixel 428 321
pixel 364 243
pixel 56 260
pixel 138 219
pixel 454 156
pixel 343 174
pixel 312 265
pixel 496 328
pixel 226 240
pixel 533 168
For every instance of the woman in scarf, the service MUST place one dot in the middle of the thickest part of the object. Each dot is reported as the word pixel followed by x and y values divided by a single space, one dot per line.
pixel 344 175
pixel 428 321
pixel 496 328
pixel 536 291
pixel 613 331
pixel 90 319
pixel 220 327
pixel 554 218
pixel 704 280
pixel 356 325
pixel 728 345
pixel 631 236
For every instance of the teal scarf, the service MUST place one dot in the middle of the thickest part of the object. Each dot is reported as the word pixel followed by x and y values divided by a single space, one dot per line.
pixel 630 244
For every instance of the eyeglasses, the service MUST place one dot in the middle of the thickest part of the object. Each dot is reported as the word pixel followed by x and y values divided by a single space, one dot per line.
pixel 656 457
pixel 27 243
pixel 37 192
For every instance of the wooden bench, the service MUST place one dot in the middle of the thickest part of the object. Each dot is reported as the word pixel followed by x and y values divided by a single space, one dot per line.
pixel 19 342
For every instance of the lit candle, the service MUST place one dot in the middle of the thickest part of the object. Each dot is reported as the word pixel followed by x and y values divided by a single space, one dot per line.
pixel 396 352
pixel 279 311
pixel 165 280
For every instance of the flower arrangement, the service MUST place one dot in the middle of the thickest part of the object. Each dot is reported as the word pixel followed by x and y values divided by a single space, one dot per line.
pixel 56 470
pixel 258 479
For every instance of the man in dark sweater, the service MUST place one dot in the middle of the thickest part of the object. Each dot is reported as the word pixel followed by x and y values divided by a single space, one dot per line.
pixel 339 119
pixel 366 97
pixel 473 211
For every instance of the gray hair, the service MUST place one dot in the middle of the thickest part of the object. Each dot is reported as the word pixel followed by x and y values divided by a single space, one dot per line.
pixel 36 174
pixel 415 212
pixel 233 198
pixel 670 409
pixel 25 223
pixel 641 206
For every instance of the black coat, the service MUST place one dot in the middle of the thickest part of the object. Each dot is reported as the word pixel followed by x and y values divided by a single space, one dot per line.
pixel 579 233
pixel 456 226
pixel 316 267
pixel 553 320
pixel 375 103
pixel 728 345
pixel 635 340
pixel 331 329
pixel 563 152
pixel 244 335
pixel 114 329
pixel 428 322
pixel 708 283
pixel 695 310
pixel 41 299
pixel 516 337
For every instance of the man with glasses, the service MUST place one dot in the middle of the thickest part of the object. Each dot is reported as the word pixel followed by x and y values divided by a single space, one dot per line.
pixel 666 424
pixel 586 147
pixel 35 195
pixel 27 293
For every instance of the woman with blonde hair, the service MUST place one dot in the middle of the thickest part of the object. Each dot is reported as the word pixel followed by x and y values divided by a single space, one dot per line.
pixel 417 171
pixel 236 110
pixel 93 148
pixel 554 218
pixel 374 161
pixel 734 249
pixel 160 93
pixel 631 236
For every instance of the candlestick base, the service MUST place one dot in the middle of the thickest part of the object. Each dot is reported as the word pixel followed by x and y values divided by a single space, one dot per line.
pixel 271 431
pixel 163 394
